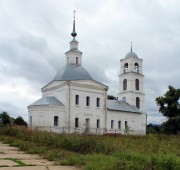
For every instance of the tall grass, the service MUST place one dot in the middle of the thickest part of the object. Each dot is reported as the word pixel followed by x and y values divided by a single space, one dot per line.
pixel 101 152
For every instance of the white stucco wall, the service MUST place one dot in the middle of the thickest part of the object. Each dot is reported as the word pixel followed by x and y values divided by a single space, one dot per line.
pixel 84 112
pixel 136 122
pixel 66 92
pixel 44 116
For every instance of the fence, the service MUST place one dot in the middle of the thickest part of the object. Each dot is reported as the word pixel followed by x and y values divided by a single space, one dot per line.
pixel 98 131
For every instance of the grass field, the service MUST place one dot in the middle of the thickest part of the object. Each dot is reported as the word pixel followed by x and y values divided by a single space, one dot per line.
pixel 93 152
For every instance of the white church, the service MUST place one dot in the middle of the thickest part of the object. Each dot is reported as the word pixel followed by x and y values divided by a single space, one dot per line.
pixel 75 102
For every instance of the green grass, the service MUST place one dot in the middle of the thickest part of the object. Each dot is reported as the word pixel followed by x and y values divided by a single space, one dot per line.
pixel 19 162
pixel 93 152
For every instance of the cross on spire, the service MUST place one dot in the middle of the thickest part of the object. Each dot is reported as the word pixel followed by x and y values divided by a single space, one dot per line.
pixel 74 13
pixel 131 46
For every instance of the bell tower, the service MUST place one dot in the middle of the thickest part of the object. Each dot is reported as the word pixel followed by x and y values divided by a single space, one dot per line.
pixel 131 80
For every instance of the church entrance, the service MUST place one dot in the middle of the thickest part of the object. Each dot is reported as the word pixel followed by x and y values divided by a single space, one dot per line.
pixel 87 125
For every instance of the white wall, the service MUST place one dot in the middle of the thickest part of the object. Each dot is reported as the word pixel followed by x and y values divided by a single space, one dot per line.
pixel 84 112
pixel 44 116
pixel 136 122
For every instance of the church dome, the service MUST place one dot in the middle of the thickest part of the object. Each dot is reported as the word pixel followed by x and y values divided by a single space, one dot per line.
pixel 72 72
pixel 131 54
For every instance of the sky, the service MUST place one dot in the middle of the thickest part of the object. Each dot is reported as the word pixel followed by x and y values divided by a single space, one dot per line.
pixel 34 35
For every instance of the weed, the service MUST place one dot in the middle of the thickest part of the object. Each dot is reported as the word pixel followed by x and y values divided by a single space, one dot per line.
pixel 19 162
pixel 99 152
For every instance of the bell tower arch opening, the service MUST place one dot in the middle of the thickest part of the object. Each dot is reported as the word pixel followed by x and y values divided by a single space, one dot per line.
pixel 125 67
pixel 136 68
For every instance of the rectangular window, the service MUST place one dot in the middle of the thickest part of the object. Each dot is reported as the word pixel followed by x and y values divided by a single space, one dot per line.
pixel 112 124
pixel 98 123
pixel 119 124
pixel 76 60
pixel 30 121
pixel 55 120
pixel 126 124
pixel 77 99
pixel 98 102
pixel 87 101
pixel 76 122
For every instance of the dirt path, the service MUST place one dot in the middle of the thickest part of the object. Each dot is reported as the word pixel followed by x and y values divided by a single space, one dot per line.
pixel 12 158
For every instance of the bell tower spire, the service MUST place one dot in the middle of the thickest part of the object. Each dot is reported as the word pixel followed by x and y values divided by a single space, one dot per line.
pixel 74 34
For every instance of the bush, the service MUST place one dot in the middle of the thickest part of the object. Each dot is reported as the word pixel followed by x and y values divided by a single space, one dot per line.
pixel 172 126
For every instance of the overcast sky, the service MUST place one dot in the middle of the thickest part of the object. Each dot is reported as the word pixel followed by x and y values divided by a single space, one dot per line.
pixel 35 34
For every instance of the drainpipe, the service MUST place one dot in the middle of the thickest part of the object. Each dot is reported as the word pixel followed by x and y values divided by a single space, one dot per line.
pixel 69 106
pixel 146 125
pixel 105 109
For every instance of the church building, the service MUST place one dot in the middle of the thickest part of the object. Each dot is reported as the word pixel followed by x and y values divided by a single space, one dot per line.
pixel 75 102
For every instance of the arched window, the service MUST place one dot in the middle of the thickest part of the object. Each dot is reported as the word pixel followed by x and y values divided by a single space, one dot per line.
pixel 125 67
pixel 138 102
pixel 124 99
pixel 136 67
pixel 137 84
pixel 125 84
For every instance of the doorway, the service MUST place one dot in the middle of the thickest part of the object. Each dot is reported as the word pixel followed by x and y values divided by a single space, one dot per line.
pixel 87 125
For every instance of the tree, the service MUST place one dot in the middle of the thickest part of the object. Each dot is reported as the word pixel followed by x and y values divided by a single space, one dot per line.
pixel 169 103
pixel 20 121
pixel 172 126
pixel 111 97
pixel 5 119
pixel 169 106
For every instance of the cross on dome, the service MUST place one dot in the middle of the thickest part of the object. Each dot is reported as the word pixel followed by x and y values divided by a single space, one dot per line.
pixel 74 13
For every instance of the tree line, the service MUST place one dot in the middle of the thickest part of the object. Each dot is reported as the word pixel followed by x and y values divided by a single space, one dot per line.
pixel 6 120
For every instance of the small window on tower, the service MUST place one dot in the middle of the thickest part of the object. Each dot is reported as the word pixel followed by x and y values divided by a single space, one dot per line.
pixel 76 60
pixel 125 84
pixel 138 102
pixel 137 84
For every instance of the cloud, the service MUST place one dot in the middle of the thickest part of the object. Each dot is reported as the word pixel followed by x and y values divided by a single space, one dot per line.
pixel 34 37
